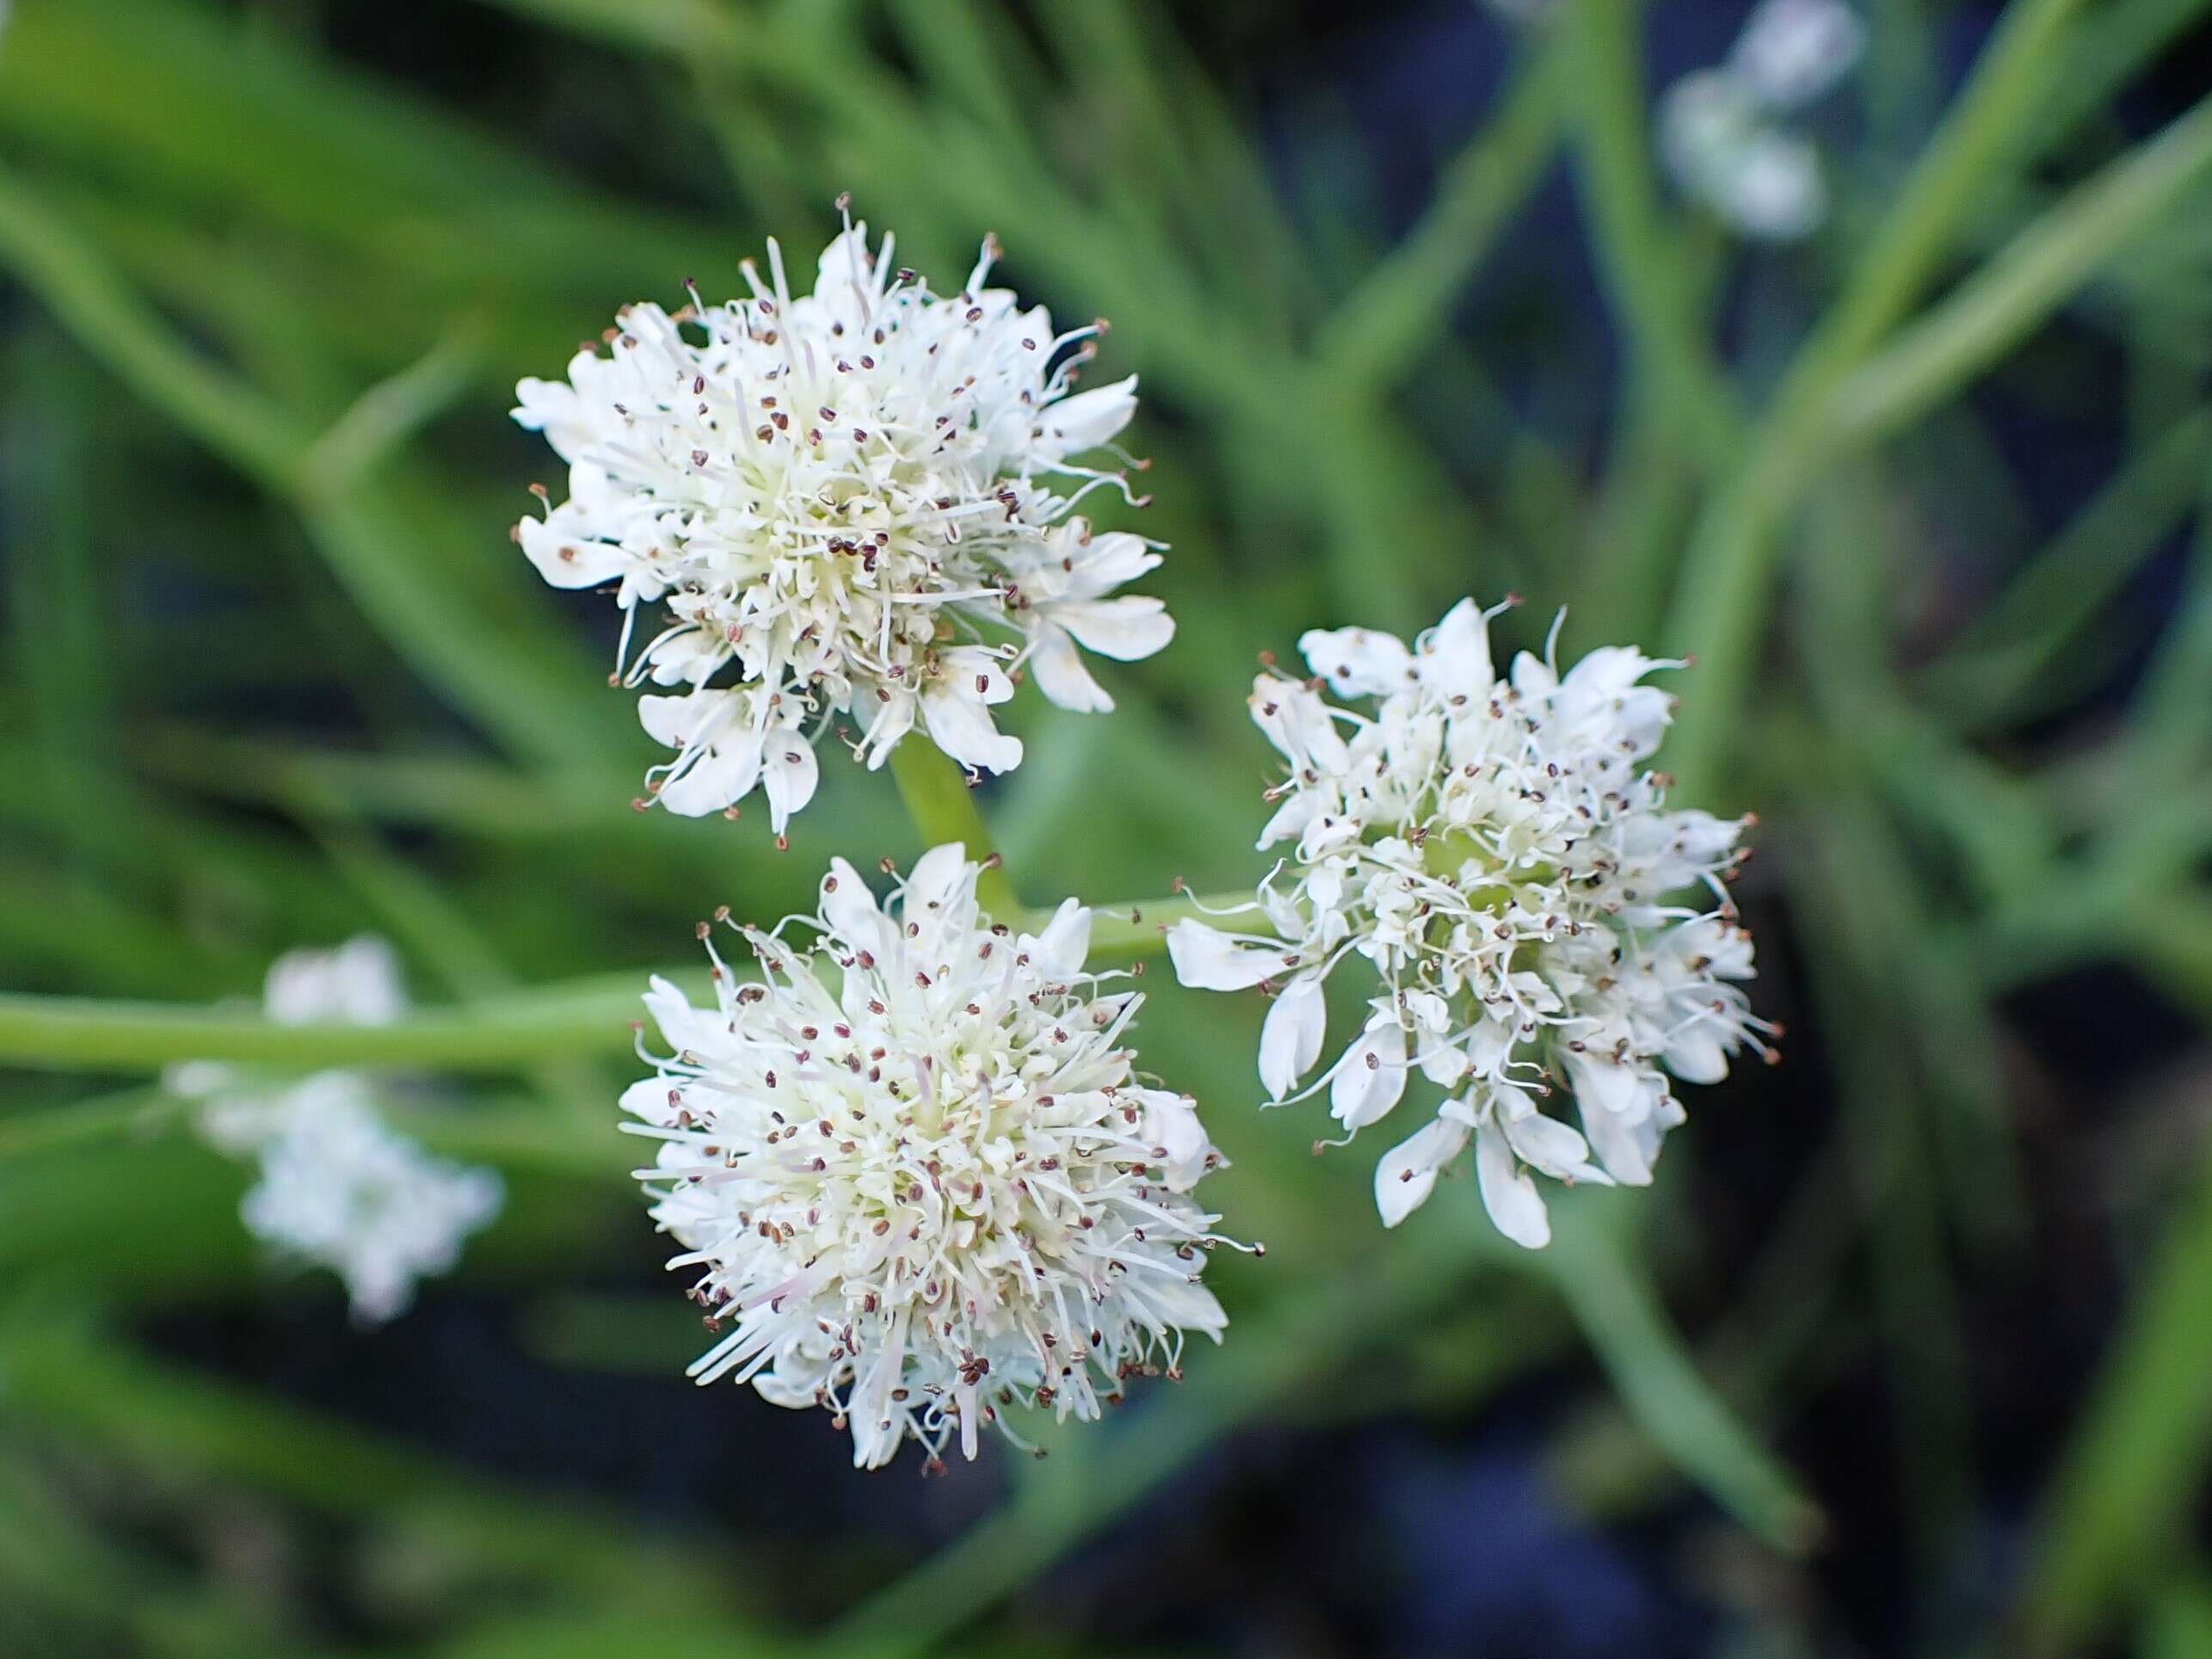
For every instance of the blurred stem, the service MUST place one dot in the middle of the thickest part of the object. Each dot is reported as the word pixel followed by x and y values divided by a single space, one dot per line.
pixel 126 1114
pixel 1994 309
pixel 1638 252
pixel 1390 319
pixel 384 417
pixel 373 542
pixel 2121 1501
pixel 1722 598
pixel 1621 1316
pixel 515 1032
pixel 1123 933
pixel 500 1034
pixel 2013 641
pixel 115 325
pixel 940 800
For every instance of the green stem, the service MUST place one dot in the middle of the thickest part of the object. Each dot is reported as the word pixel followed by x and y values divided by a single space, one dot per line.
pixel 1726 583
pixel 1647 285
pixel 514 1031
pixel 500 1034
pixel 1386 325
pixel 2119 1506
pixel 938 800
pixel 1618 1311
pixel 1126 932
pixel 1990 313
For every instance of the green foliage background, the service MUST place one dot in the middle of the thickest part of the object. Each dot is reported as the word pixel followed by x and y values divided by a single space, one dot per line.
pixel 274 675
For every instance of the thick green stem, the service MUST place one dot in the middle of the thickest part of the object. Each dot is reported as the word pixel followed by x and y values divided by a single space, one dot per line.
pixel 1127 933
pixel 499 1035
pixel 936 794
pixel 510 1032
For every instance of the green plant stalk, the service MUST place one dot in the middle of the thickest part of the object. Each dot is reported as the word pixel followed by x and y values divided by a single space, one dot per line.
pixel 1823 406
pixel 2119 1505
pixel 499 1035
pixel 1994 309
pixel 1381 330
pixel 1646 284
pixel 507 1033
pixel 1621 1318
pixel 495 676
pixel 1998 657
pixel 937 798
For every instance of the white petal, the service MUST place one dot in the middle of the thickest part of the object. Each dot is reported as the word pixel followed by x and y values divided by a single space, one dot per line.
pixel 722 775
pixel 1456 656
pixel 677 721
pixel 790 772
pixel 1290 1037
pixel 648 1098
pixel 1066 940
pixel 1616 1104
pixel 1089 418
pixel 936 877
pixel 1508 1195
pixel 1060 674
pixel 1104 562
pixel 1407 1174
pixel 1124 629
pixel 894 719
pixel 567 559
pixel 1298 724
pixel 963 728
pixel 1696 1056
pixel 849 908
pixel 1553 1147
pixel 681 1026
pixel 1205 959
pixel 1171 1123
pixel 1371 1077
pixel 1357 662
pixel 553 408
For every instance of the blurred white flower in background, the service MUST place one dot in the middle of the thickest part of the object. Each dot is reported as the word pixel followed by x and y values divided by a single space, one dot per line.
pixel 1493 849
pixel 1721 131
pixel 861 501
pixel 916 1173
pixel 339 1188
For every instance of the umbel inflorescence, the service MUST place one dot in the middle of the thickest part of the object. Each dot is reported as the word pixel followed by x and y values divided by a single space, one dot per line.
pixel 1537 922
pixel 916 1173
pixel 857 506
pixel 909 1159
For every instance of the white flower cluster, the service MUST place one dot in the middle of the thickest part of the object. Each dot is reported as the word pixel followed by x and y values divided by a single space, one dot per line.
pixel 1721 130
pixel 860 501
pixel 339 1186
pixel 916 1174
pixel 1494 849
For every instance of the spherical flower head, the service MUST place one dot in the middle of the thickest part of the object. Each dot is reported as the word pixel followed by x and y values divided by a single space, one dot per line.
pixel 339 1188
pixel 1495 852
pixel 857 501
pixel 915 1172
